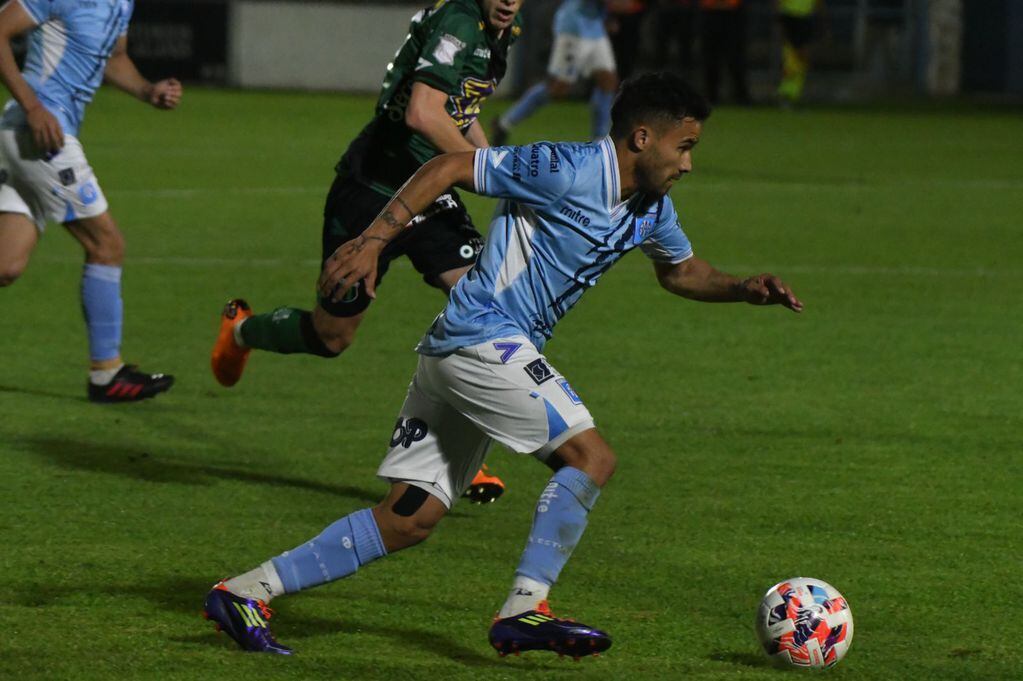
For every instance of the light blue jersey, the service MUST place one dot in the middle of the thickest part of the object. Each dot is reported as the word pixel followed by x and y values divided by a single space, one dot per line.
pixel 67 53
pixel 583 18
pixel 561 226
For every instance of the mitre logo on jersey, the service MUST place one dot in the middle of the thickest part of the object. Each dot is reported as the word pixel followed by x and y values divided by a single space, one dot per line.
pixel 447 48
pixel 575 215
pixel 498 156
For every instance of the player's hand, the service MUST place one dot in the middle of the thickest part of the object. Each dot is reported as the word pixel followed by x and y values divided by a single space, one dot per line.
pixel 46 131
pixel 165 94
pixel 352 262
pixel 767 289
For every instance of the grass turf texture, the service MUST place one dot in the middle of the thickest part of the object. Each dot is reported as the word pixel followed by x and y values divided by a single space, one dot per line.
pixel 872 442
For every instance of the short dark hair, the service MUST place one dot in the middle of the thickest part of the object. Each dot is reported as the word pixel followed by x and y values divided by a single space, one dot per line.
pixel 655 96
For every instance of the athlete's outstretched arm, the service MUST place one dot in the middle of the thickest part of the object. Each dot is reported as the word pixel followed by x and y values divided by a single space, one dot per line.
pixel 697 279
pixel 477 136
pixel 356 260
pixel 427 115
pixel 122 74
pixel 46 131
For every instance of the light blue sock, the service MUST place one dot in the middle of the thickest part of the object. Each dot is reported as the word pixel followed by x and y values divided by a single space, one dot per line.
pixel 600 112
pixel 534 98
pixel 558 524
pixel 103 310
pixel 336 552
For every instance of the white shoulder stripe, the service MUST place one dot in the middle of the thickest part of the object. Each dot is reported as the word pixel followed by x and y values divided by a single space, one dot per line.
pixel 479 167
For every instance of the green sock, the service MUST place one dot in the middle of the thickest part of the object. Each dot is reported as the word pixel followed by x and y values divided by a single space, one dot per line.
pixel 286 330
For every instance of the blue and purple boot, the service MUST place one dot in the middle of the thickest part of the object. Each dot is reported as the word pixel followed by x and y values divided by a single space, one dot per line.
pixel 244 620
pixel 540 630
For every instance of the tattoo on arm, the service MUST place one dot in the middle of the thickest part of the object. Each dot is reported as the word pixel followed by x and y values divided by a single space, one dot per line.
pixel 405 206
pixel 391 221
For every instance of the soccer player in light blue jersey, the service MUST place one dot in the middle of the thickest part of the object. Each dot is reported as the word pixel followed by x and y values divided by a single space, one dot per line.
pixel 581 48
pixel 45 176
pixel 569 212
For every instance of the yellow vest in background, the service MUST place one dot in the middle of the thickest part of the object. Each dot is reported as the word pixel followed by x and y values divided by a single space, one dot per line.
pixel 797 8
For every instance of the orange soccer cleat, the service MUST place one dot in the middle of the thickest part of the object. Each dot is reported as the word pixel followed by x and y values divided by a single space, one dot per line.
pixel 485 488
pixel 228 358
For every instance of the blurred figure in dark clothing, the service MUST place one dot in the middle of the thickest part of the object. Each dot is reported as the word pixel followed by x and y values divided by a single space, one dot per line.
pixel 625 19
pixel 673 25
pixel 723 39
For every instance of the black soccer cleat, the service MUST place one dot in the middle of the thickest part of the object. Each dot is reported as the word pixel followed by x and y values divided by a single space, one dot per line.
pixel 130 385
pixel 540 630
pixel 485 488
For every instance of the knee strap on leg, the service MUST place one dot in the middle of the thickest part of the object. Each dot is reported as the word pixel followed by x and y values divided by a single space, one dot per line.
pixel 410 501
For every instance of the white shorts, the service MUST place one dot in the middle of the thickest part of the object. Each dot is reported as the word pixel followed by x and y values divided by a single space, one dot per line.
pixel 457 405
pixel 572 57
pixel 58 189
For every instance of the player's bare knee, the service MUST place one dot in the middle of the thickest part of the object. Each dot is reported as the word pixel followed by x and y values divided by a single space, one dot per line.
pixel 558 88
pixel 9 273
pixel 413 529
pixel 407 516
pixel 588 452
pixel 334 334
pixel 106 248
pixel 336 341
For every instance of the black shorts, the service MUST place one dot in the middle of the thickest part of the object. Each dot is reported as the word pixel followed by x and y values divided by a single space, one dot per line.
pixel 442 239
pixel 798 31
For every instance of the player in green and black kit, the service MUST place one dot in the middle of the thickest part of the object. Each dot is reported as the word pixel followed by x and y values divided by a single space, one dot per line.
pixel 452 60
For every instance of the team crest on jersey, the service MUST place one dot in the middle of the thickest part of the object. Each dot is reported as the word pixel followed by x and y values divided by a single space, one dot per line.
pixel 467 103
pixel 644 226
pixel 447 48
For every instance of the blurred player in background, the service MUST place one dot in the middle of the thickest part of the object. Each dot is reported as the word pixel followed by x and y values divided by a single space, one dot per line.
pixel 452 60
pixel 44 175
pixel 626 28
pixel 797 25
pixel 723 42
pixel 580 48
pixel 674 24
pixel 570 211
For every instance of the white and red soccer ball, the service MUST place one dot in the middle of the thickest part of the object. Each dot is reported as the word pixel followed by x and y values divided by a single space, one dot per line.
pixel 805 622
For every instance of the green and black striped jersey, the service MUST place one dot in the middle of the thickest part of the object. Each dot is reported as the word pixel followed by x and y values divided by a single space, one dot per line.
pixel 449 48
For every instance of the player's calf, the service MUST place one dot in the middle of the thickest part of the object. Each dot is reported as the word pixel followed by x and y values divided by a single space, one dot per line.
pixel 587 452
pixel 407 516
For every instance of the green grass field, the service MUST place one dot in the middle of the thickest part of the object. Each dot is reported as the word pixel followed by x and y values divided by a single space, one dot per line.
pixel 873 441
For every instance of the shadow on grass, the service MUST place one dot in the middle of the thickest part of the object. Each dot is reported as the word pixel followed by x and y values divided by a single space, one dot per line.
pixel 741 658
pixel 138 464
pixel 20 390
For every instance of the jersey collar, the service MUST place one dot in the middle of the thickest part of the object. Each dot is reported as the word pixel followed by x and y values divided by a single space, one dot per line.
pixel 612 181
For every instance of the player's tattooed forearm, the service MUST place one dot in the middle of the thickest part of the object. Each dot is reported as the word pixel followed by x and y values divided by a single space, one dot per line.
pixel 404 205
pixel 391 221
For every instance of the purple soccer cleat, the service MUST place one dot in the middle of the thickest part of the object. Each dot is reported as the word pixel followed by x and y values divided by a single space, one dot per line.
pixel 244 620
pixel 540 630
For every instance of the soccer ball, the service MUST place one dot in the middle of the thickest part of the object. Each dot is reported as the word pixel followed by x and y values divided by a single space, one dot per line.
pixel 804 622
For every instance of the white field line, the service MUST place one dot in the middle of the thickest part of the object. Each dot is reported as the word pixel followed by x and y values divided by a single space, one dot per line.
pixel 189 192
pixel 779 269
pixel 722 184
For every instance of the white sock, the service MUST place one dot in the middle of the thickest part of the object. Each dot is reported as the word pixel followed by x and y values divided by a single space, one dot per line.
pixel 237 331
pixel 525 594
pixel 261 584
pixel 103 376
